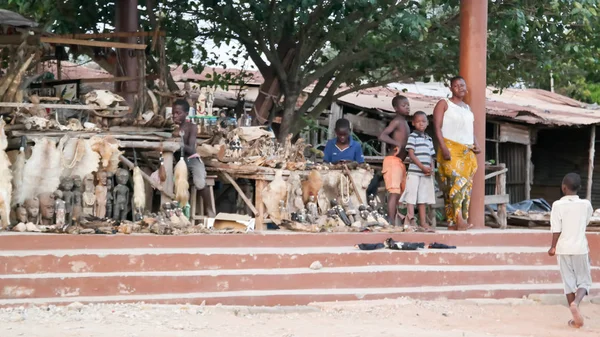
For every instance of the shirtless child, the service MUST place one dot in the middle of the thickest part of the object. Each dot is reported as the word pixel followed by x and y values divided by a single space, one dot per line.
pixel 195 165
pixel 395 136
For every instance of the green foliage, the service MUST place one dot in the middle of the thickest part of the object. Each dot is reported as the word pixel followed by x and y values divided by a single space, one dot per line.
pixel 365 43
pixel 183 43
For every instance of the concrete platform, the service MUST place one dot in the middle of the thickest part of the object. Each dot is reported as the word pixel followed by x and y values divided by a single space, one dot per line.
pixel 273 269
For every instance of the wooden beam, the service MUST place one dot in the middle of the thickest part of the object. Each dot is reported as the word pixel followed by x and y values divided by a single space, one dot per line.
pixel 112 35
pixel 105 44
pixel 258 199
pixel 497 173
pixel 528 171
pixel 242 194
pixel 496 199
pixel 366 125
pixel 166 146
pixel 61 106
pixel 18 39
pixel 588 193
pixel 501 190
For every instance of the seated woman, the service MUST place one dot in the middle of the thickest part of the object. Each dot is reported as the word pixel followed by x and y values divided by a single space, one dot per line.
pixel 343 148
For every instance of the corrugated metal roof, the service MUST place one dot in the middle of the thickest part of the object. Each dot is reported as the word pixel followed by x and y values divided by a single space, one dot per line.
pixel 530 106
pixel 10 18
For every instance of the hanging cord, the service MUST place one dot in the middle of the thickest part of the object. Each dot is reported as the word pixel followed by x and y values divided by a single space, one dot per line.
pixel 344 189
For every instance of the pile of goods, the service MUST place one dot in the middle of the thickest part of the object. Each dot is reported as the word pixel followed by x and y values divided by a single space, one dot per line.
pixel 254 146
pixel 75 185
pixel 325 201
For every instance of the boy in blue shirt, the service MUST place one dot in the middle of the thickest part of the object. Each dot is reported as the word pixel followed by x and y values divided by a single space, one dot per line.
pixel 342 148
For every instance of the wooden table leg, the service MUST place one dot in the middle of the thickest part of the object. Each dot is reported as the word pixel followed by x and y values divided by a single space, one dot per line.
pixel 260 207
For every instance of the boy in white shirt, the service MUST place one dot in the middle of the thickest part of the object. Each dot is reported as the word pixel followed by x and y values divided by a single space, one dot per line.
pixel 569 219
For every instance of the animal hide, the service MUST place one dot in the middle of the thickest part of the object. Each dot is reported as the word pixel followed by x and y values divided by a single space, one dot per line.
pixel 79 159
pixel 5 179
pixel 276 191
pixel 42 171
pixel 182 186
pixel 294 202
pixel 312 185
pixel 17 180
pixel 108 148
pixel 139 189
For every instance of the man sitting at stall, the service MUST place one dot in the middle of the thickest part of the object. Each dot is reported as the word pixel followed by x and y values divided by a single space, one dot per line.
pixel 195 165
pixel 343 147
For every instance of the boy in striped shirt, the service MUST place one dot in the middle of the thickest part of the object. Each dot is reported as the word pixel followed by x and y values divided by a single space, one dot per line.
pixel 419 182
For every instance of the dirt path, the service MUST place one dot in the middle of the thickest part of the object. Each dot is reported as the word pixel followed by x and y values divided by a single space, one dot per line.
pixel 356 319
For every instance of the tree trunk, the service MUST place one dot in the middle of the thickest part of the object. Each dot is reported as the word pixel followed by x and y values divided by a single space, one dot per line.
pixel 289 114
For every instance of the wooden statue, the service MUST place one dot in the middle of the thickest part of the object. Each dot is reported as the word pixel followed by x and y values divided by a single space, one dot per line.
pixel 88 195
pixel 110 183
pixel 210 100
pixel 77 199
pixel 47 208
pixel 121 195
pixel 66 187
pixel 201 102
pixel 33 210
pixel 21 214
pixel 101 194
pixel 60 210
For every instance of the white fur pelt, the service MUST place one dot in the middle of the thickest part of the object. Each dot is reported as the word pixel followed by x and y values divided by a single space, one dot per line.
pixel 17 180
pixel 5 179
pixel 79 159
pixel 182 186
pixel 42 171
pixel 139 189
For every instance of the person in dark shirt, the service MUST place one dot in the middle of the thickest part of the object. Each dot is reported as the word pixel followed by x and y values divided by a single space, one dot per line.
pixel 343 147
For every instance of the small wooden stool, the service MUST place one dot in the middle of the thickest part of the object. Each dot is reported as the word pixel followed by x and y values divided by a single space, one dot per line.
pixel 210 183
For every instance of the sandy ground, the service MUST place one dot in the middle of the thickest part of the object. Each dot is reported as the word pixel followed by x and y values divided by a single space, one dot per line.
pixel 356 319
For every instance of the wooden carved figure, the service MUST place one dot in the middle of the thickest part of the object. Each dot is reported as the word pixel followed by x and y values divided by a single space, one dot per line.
pixel 47 208
pixel 88 195
pixel 77 199
pixel 33 210
pixel 101 193
pixel 121 195
pixel 21 214
pixel 60 211
pixel 110 182
pixel 66 187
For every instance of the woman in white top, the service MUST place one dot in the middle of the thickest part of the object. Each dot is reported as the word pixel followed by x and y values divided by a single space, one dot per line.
pixel 453 124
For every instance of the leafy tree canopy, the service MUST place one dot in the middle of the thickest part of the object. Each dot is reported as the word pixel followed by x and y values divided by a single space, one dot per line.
pixel 363 43
pixel 340 46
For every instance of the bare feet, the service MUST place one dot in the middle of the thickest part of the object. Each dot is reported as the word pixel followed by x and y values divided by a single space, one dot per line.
pixel 577 317
pixel 428 229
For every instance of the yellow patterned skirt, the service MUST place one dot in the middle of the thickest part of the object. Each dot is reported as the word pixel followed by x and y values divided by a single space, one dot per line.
pixel 456 178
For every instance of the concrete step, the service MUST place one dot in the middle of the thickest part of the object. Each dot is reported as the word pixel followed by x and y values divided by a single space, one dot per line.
pixel 227 280
pixel 183 259
pixel 307 296
pixel 482 238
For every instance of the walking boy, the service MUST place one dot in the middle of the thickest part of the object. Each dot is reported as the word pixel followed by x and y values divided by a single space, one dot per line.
pixel 394 171
pixel 569 219
pixel 419 182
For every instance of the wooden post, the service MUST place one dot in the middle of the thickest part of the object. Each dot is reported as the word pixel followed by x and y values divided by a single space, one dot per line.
pixel 260 207
pixel 58 70
pixel 337 112
pixel 169 183
pixel 473 58
pixel 501 190
pixel 528 169
pixel 588 193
